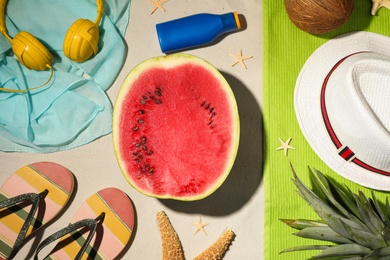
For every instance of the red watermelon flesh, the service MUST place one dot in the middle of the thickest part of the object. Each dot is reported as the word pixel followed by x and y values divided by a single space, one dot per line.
pixel 176 128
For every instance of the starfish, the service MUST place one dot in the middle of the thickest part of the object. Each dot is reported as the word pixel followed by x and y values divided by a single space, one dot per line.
pixel 157 5
pixel 172 248
pixel 199 226
pixel 239 58
pixel 376 4
pixel 285 146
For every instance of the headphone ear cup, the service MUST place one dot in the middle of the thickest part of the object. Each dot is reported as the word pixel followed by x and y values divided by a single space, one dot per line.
pixel 81 40
pixel 31 52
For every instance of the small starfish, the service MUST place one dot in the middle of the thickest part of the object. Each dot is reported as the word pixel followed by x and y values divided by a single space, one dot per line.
pixel 199 226
pixel 377 4
pixel 239 58
pixel 285 146
pixel 157 5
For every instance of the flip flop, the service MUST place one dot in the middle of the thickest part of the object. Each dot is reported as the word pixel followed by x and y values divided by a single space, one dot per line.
pixel 29 199
pixel 100 228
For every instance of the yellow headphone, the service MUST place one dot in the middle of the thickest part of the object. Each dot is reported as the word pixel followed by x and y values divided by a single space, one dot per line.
pixel 80 43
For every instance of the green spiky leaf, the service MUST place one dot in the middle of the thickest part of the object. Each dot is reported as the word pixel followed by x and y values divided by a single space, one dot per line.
pixel 379 210
pixel 326 186
pixel 304 248
pixel 386 234
pixel 365 238
pixel 346 250
pixel 324 233
pixel 344 197
pixel 369 217
pixel 380 252
pixel 329 215
pixel 357 225
pixel 323 185
pixel 303 223
pixel 387 208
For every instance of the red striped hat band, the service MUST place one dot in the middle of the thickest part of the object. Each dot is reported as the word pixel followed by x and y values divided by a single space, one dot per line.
pixel 343 150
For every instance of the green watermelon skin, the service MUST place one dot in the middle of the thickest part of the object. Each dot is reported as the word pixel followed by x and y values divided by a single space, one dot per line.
pixel 175 127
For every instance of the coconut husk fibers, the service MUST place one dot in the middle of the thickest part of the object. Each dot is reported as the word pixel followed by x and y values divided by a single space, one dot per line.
pixel 319 16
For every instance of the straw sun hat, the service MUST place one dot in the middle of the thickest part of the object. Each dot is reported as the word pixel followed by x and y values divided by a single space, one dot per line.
pixel 342 103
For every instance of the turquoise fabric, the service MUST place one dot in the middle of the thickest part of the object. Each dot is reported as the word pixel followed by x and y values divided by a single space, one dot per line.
pixel 73 109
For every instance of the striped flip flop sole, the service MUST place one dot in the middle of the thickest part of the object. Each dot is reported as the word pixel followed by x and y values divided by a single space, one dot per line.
pixel 114 233
pixel 33 178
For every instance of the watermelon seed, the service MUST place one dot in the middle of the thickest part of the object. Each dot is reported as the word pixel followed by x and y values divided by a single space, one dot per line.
pixel 208 106
pixel 146 168
pixel 210 122
pixel 158 101
pixel 135 153
pixel 144 147
pixel 142 112
pixel 139 158
pixel 150 152
pixel 151 170
pixel 213 114
pixel 137 145
pixel 143 139
pixel 203 103
pixel 135 128
pixel 145 97
pixel 211 110
pixel 158 93
pixel 143 102
pixel 140 121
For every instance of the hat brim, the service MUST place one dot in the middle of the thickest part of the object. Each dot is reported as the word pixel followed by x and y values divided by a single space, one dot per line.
pixel 307 98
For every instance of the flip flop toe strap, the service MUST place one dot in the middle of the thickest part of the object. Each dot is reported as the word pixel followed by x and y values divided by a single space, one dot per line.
pixel 34 198
pixel 90 223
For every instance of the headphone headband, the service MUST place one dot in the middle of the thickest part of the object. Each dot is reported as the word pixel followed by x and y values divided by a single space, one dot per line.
pixel 3 28
pixel 100 10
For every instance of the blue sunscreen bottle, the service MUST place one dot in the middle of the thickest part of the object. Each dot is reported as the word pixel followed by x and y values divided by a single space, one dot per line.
pixel 195 30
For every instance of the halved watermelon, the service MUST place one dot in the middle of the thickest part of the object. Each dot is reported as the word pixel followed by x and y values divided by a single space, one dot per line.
pixel 175 127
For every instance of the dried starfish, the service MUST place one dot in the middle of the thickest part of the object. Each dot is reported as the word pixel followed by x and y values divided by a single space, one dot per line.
pixel 199 226
pixel 376 4
pixel 217 250
pixel 171 245
pixel 157 5
pixel 285 146
pixel 173 250
pixel 239 58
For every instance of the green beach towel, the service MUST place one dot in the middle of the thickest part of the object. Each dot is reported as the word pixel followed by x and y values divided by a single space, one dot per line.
pixel 285 50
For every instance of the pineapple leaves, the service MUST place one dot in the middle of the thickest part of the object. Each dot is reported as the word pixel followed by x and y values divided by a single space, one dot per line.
pixel 345 250
pixel 357 226
pixel 380 253
pixel 386 234
pixel 368 215
pixel 379 210
pixel 326 212
pixel 302 248
pixel 303 223
pixel 349 205
pixel 323 233
pixel 365 238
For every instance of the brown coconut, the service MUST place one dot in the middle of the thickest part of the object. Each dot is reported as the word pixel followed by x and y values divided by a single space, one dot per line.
pixel 318 16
